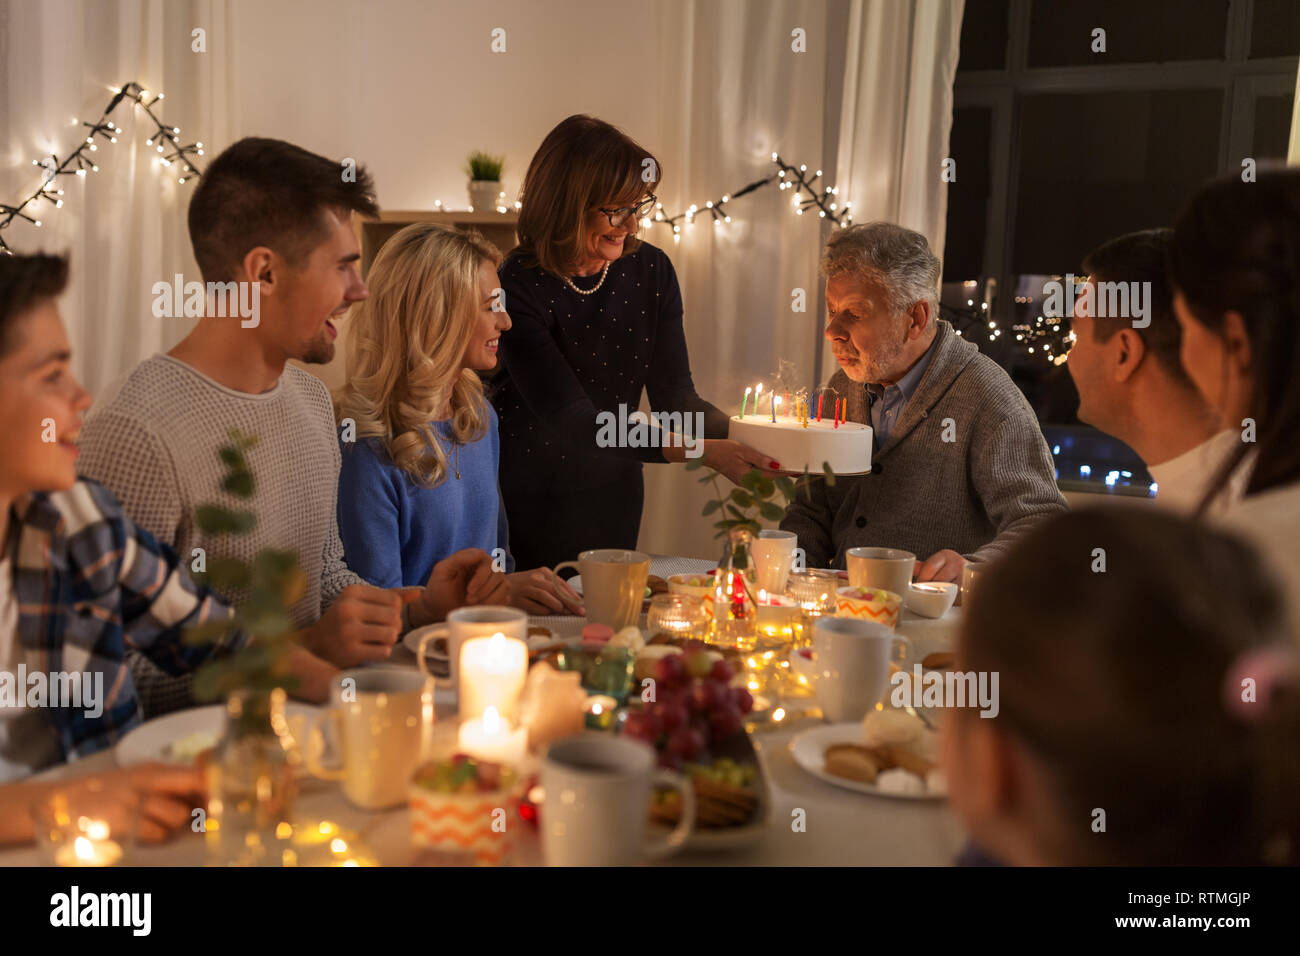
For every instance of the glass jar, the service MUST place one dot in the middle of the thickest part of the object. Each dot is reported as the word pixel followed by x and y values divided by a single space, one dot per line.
pixel 677 615
pixel 252 782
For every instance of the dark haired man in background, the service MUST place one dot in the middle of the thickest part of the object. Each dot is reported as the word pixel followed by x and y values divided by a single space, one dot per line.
pixel 1131 382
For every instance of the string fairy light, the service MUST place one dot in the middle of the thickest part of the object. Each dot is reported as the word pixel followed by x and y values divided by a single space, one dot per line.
pixel 164 139
pixel 825 200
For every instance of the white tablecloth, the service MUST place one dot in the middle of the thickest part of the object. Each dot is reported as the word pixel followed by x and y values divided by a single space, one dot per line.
pixel 841 827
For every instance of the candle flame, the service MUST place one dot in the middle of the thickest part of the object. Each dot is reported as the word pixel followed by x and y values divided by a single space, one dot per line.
pixel 759 389
pixel 97 830
pixel 83 848
pixel 491 721
pixel 749 389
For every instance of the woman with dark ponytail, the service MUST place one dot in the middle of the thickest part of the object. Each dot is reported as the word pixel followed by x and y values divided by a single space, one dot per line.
pixel 1235 265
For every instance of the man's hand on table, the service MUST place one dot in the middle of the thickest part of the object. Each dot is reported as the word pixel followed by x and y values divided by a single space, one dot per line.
pixel 943 565
pixel 536 592
pixel 361 625
pixel 465 577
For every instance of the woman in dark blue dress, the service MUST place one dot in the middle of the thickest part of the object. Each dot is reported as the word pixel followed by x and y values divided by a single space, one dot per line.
pixel 597 319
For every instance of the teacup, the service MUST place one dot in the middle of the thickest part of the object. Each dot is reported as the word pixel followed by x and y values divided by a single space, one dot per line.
pixel 613 584
pixel 383 724
pixel 888 568
pixel 597 800
pixel 869 604
pixel 481 620
pixel 850 670
pixel 773 553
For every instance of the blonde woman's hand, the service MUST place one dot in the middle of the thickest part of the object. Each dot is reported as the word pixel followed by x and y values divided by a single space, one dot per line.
pixel 535 591
pixel 465 577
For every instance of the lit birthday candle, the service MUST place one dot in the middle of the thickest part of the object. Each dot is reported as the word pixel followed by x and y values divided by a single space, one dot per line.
pixel 819 405
pixel 744 401
pixel 776 400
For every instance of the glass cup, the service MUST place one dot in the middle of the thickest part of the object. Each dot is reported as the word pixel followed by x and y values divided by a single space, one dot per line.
pixel 678 615
pixel 87 824
pixel 604 669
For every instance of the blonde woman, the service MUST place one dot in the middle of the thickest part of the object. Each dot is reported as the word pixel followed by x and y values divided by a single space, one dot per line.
pixel 420 480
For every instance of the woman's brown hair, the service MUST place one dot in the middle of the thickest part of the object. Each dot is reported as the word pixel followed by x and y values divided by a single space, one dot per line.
pixel 1114 676
pixel 582 164
pixel 1236 248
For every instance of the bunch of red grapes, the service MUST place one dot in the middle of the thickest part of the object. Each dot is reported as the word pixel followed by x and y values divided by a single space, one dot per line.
pixel 695 708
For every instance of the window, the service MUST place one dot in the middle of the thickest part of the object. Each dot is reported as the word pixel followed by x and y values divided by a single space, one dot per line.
pixel 1060 146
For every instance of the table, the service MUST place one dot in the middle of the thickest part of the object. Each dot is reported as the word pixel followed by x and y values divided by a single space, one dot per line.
pixel 841 828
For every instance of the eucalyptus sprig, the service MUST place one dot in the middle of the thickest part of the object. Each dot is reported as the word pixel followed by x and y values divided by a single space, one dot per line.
pixel 264 591
pixel 484 167
pixel 755 494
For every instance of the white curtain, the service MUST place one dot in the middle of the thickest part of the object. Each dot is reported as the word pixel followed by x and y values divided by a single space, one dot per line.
pixel 869 102
pixel 124 226
pixel 900 63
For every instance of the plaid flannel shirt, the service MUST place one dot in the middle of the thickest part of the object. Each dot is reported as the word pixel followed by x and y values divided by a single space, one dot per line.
pixel 90 585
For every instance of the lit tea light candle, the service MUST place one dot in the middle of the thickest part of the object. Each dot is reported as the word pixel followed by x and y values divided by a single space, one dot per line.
pixel 91 847
pixel 600 711
pixel 777 615
pixel 491 738
pixel 492 673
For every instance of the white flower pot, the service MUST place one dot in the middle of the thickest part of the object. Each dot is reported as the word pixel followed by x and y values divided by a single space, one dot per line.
pixel 485 195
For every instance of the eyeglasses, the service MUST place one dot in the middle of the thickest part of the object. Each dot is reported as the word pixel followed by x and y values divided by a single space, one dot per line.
pixel 621 215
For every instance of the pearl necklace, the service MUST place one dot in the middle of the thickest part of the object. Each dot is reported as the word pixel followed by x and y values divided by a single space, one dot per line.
pixel 603 272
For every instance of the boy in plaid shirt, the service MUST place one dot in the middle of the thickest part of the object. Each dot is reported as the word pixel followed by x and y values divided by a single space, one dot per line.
pixel 79 582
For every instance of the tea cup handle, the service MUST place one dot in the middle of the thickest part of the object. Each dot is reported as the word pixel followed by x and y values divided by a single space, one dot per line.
pixel 312 752
pixel 661 847
pixel 900 638
pixel 420 660
pixel 555 575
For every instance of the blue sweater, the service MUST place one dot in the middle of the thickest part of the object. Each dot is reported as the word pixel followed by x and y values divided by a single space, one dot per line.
pixel 394 530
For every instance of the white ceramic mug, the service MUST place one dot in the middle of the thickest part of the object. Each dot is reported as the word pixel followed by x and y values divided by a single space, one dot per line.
pixel 596 805
pixel 383 726
pixel 887 568
pixel 481 620
pixel 851 665
pixel 773 557
pixel 613 584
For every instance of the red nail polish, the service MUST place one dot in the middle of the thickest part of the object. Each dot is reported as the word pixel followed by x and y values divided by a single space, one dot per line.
pixel 774 465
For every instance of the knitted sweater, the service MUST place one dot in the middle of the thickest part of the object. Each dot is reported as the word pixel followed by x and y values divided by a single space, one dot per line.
pixel 154 445
pixel 973 487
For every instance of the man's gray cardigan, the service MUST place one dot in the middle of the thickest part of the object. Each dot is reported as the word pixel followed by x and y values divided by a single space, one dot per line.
pixel 975 493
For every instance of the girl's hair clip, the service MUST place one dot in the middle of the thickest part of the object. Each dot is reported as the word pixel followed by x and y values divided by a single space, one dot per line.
pixel 1253 681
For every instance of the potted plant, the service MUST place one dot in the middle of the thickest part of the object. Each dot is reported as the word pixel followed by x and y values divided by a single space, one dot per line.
pixel 250 773
pixel 484 180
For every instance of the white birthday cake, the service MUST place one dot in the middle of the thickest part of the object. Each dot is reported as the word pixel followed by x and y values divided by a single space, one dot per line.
pixel 799 447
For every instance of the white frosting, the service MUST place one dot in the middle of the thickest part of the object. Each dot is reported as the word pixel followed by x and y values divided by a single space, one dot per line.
pixel 846 449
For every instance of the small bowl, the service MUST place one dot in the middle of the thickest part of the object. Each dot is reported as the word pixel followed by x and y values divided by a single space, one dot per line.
pixel 931 598
pixel 680 584
pixel 869 604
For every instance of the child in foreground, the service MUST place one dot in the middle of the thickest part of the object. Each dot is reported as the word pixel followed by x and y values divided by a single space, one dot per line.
pixel 1148 712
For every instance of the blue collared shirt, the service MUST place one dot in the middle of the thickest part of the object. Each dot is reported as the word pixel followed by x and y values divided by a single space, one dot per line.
pixel 887 403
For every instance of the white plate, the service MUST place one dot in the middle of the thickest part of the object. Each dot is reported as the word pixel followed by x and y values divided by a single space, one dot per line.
pixel 150 741
pixel 535 642
pixel 809 751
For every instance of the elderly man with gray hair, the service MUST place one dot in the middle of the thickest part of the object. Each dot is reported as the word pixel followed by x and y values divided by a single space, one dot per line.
pixel 960 467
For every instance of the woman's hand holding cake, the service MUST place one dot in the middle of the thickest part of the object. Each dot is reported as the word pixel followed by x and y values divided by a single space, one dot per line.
pixel 730 458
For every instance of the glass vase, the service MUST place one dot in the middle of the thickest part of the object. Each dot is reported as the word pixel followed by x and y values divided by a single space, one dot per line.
pixel 734 612
pixel 252 782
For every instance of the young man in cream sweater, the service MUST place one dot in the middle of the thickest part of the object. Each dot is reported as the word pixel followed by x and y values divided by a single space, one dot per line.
pixel 278 219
